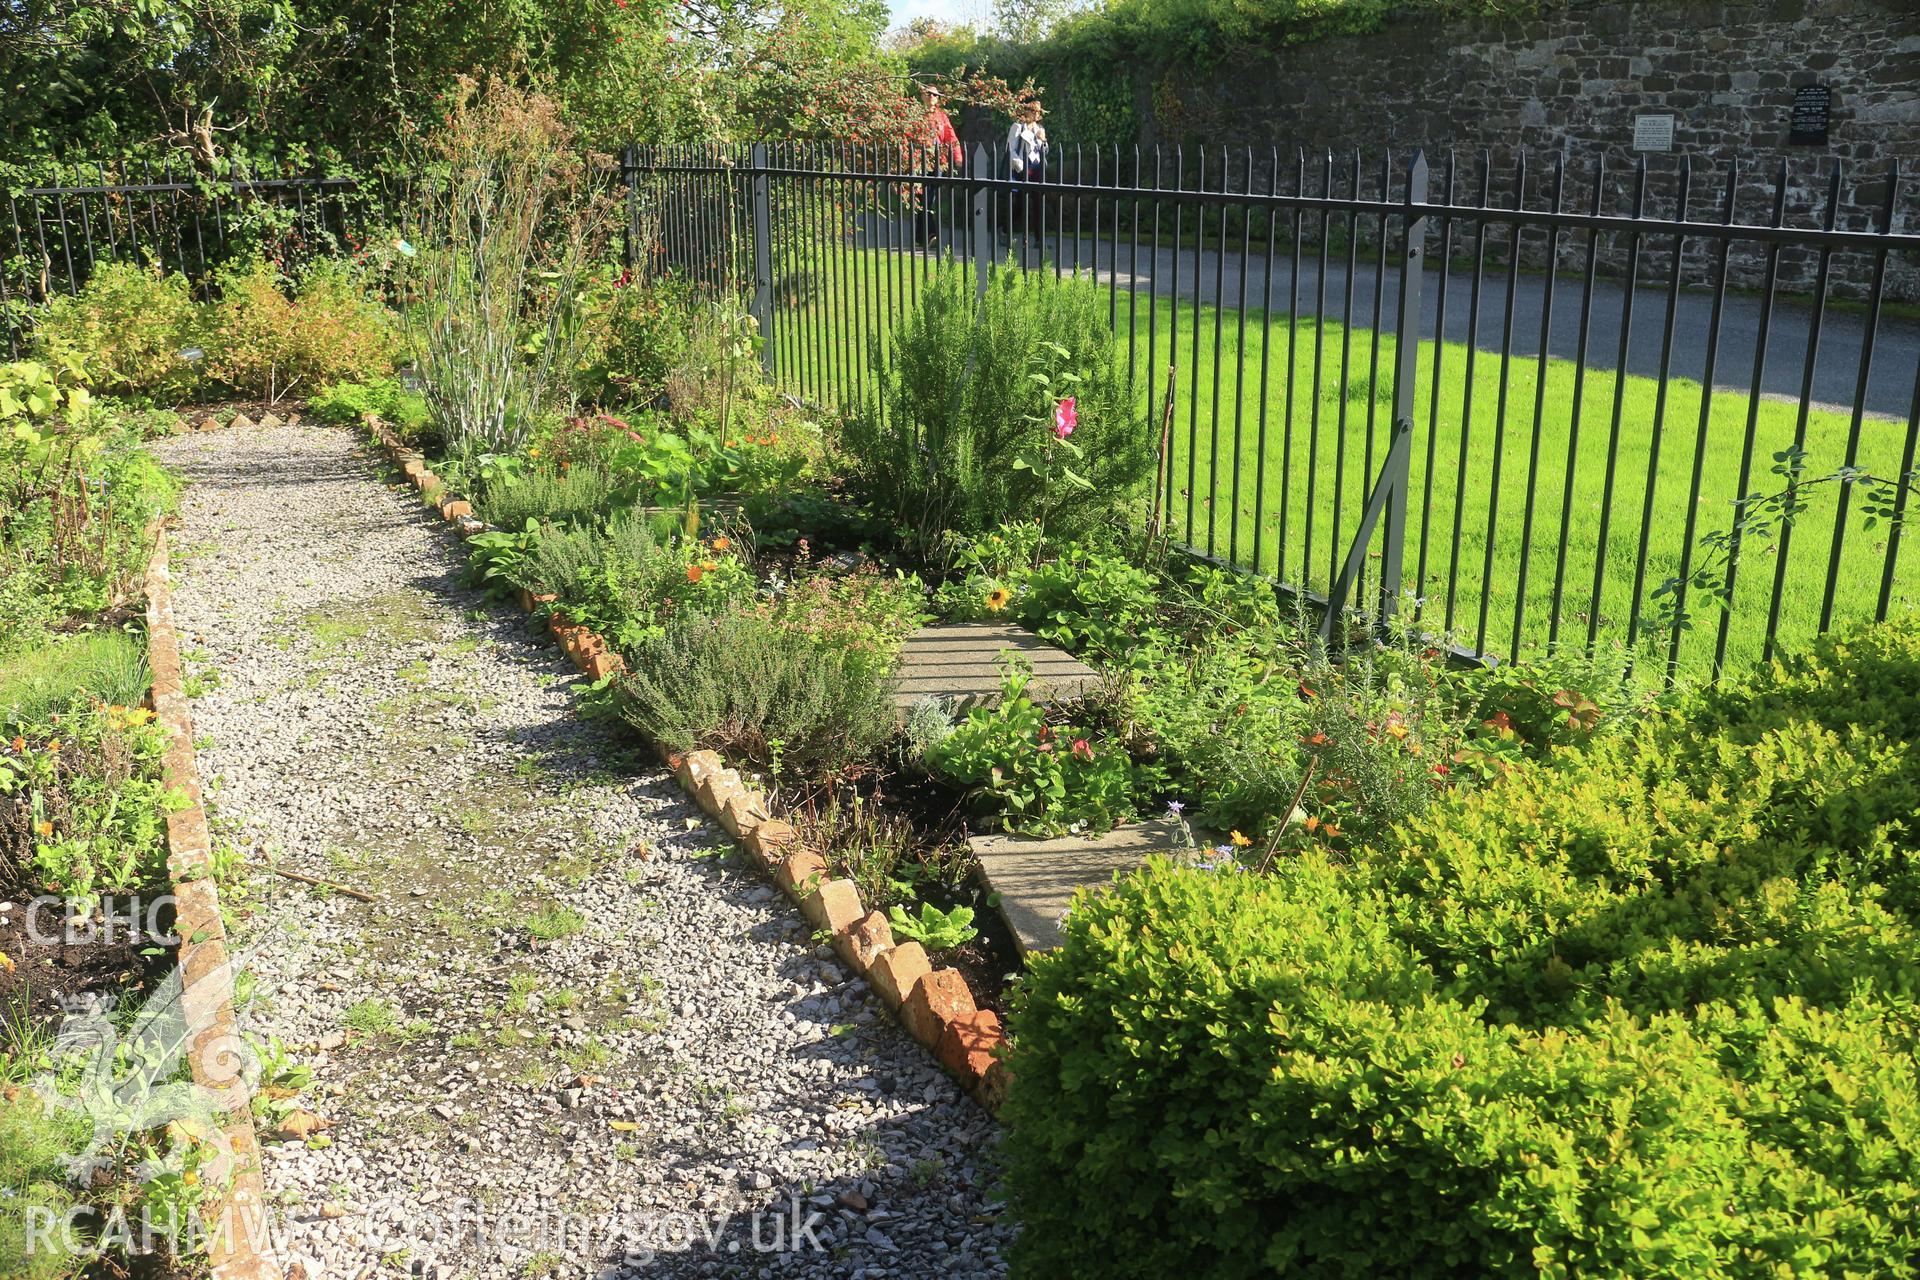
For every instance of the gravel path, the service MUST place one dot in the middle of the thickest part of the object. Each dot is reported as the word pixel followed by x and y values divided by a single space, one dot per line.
pixel 575 1034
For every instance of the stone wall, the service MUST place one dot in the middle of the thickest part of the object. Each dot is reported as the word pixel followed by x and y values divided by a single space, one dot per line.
pixel 1571 83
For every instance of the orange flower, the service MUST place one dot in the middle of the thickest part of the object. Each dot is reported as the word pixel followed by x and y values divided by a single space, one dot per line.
pixel 1396 730
pixel 44 828
pixel 693 572
pixel 708 565
pixel 19 746
pixel 722 544
pixel 54 745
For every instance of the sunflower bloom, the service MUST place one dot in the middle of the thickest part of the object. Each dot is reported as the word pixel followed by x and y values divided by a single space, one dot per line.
pixel 998 598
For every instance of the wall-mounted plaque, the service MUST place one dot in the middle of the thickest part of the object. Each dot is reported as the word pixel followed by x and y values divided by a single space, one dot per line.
pixel 1653 133
pixel 1812 108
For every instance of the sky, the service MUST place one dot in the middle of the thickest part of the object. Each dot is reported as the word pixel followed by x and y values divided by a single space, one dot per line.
pixel 950 11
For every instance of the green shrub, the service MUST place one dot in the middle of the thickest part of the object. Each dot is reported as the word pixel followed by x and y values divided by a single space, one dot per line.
pixel 961 406
pixel 264 341
pixel 757 690
pixel 1034 776
pixel 34 1145
pixel 622 579
pixel 570 496
pixel 67 556
pixel 342 403
pixel 128 328
pixel 110 666
pixel 1642 1010
pixel 82 803
pixel 638 336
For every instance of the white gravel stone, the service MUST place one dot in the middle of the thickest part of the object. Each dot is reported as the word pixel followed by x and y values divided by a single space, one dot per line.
pixel 650 1085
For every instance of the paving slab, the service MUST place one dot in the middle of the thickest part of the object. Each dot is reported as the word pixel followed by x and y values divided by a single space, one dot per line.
pixel 1036 878
pixel 962 661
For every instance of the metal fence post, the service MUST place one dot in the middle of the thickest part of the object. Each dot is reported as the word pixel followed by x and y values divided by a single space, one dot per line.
pixel 630 174
pixel 763 252
pixel 1387 507
pixel 982 223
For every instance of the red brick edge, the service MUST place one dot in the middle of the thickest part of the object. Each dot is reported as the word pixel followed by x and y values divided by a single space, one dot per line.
pixel 239 1247
pixel 935 1005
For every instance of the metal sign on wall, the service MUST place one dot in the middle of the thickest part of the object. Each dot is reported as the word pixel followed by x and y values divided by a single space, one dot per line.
pixel 1812 112
pixel 1653 133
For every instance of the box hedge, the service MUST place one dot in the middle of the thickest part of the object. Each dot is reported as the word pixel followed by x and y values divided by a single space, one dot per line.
pixel 1645 1010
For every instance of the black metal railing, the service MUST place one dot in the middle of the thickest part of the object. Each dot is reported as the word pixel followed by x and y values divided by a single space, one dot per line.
pixel 54 236
pixel 1603 362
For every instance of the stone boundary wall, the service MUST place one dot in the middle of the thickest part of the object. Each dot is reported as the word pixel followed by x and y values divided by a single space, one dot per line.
pixel 1572 82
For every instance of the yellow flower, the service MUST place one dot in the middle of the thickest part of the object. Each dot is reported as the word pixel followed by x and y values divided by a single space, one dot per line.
pixel 533 453
pixel 997 599
pixel 1239 841
pixel 44 829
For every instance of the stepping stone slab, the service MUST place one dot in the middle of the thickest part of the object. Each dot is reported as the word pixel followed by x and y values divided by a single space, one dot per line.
pixel 962 661
pixel 1035 878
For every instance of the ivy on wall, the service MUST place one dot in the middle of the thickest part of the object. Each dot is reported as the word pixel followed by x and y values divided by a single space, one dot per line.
pixel 1102 43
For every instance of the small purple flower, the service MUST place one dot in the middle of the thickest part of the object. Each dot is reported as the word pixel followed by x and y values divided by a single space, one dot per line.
pixel 1175 808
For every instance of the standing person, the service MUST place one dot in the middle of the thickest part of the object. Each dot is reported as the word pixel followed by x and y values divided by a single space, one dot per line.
pixel 1026 158
pixel 945 140
pixel 943 152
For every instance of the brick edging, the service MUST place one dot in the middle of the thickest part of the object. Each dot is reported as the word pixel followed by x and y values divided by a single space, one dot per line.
pixel 240 1247
pixel 935 1005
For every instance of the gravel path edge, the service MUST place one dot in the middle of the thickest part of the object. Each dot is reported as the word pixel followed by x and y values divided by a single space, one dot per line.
pixel 239 1244
pixel 935 1006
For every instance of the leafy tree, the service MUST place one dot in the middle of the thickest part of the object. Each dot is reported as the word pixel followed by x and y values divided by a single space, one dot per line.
pixel 304 81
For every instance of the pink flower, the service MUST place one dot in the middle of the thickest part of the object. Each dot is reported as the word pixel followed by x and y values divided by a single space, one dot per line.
pixel 1065 418
pixel 1083 748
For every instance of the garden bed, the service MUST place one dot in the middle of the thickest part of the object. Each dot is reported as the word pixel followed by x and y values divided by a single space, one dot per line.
pixel 52 970
pixel 112 930
pixel 680 556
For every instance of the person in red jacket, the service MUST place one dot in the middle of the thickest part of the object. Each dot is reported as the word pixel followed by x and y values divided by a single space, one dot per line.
pixel 946 142
pixel 943 151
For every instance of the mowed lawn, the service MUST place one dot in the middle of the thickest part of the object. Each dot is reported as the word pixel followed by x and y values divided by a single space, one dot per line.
pixel 1283 496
